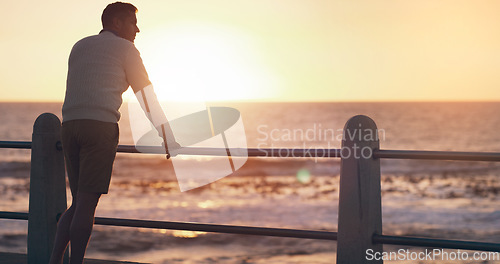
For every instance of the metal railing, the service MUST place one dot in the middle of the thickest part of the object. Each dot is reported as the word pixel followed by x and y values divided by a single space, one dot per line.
pixel 360 218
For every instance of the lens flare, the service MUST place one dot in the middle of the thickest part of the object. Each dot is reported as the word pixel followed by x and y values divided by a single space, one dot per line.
pixel 303 176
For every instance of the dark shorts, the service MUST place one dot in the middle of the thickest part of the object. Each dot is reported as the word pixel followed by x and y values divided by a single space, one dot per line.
pixel 89 148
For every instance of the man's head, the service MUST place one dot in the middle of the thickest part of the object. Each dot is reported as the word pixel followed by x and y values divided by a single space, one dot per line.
pixel 120 17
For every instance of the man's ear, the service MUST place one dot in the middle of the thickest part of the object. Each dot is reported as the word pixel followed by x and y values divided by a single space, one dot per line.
pixel 117 23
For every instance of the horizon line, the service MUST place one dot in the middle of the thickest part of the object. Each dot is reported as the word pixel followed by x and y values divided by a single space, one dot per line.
pixel 294 101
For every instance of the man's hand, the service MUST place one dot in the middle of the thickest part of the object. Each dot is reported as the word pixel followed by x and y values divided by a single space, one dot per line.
pixel 165 132
pixel 171 148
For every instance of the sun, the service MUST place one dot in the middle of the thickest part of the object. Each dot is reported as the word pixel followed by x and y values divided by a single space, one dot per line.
pixel 204 62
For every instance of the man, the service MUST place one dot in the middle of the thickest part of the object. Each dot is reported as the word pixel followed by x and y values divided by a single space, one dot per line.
pixel 100 69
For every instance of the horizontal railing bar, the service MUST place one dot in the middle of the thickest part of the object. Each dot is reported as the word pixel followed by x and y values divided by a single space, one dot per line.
pixel 14 215
pixel 437 155
pixel 437 243
pixel 16 144
pixel 291 152
pixel 279 232
pixel 236 152
pixel 242 230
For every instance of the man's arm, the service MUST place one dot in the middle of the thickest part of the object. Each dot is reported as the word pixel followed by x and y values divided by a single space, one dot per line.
pixel 149 103
pixel 143 89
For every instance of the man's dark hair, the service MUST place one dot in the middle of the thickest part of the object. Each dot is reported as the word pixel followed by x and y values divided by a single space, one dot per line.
pixel 117 9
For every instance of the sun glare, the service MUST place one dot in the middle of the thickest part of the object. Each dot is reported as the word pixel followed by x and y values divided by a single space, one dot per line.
pixel 200 62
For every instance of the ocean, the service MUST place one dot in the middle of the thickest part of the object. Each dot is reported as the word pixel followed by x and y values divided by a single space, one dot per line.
pixel 444 199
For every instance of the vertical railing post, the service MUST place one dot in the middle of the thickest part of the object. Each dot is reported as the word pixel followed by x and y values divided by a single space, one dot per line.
pixel 47 188
pixel 360 213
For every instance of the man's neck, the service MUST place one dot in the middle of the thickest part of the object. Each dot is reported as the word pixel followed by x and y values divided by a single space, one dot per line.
pixel 110 30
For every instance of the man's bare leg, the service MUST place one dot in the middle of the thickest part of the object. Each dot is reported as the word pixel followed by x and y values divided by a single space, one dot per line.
pixel 81 224
pixel 62 235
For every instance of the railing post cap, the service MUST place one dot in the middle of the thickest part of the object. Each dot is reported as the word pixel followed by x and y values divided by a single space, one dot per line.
pixel 360 119
pixel 46 123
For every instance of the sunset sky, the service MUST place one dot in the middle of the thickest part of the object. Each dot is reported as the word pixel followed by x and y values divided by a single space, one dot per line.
pixel 271 50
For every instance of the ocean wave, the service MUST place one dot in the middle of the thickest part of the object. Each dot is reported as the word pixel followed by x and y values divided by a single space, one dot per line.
pixel 15 169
